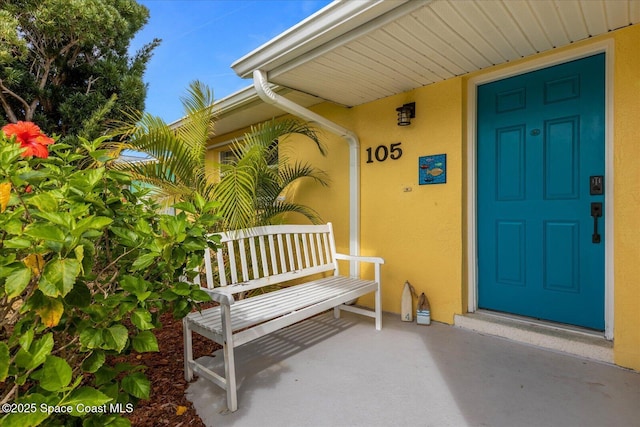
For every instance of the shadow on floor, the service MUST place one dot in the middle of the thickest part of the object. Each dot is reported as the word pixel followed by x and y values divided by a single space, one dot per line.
pixel 342 372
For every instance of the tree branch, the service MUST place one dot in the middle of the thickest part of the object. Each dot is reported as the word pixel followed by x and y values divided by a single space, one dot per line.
pixel 92 80
pixel 7 107
pixel 10 112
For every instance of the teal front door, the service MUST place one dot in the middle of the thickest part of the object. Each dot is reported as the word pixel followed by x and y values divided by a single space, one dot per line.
pixel 540 168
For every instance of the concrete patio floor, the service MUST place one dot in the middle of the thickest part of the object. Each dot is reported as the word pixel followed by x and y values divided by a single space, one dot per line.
pixel 342 372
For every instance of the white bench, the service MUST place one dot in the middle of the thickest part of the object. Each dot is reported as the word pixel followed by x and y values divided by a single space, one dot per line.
pixel 265 256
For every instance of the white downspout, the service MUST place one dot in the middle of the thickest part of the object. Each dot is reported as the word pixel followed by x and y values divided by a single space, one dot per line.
pixel 269 96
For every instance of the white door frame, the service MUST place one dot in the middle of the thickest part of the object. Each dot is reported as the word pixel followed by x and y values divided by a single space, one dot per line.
pixel 606 46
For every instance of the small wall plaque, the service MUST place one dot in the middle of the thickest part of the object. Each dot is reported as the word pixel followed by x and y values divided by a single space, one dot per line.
pixel 432 169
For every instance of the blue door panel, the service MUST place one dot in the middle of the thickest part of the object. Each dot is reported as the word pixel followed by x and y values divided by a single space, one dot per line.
pixel 540 138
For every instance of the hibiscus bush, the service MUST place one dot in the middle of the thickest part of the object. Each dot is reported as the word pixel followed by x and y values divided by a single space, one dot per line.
pixel 87 266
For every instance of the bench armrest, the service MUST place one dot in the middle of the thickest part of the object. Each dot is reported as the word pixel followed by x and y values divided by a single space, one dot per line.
pixel 377 261
pixel 372 259
pixel 220 295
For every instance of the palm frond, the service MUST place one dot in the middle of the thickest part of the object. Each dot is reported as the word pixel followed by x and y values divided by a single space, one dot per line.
pixel 198 124
pixel 236 194
pixel 274 214
pixel 175 156
pixel 287 174
pixel 281 129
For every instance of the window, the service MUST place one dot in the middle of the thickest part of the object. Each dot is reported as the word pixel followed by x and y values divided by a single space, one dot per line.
pixel 229 156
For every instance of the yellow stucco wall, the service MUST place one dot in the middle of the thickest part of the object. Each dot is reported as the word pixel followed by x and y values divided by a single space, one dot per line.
pixel 416 228
pixel 421 231
pixel 626 105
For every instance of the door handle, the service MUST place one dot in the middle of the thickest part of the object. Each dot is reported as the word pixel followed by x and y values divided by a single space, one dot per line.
pixel 596 212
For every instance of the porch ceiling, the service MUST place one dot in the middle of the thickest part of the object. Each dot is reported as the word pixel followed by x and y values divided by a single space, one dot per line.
pixel 353 52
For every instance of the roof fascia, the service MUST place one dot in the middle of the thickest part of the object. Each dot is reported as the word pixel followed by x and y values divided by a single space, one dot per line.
pixel 231 102
pixel 329 23
pixel 245 97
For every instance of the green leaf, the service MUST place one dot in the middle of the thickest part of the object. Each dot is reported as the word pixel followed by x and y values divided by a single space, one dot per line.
pixel 58 218
pixel 4 361
pixel 144 261
pixel 144 342
pixel 79 253
pixel 28 419
pixel 44 202
pixel 56 374
pixel 86 396
pixel 86 179
pixel 199 200
pixel 137 385
pixel 91 338
pixel 102 156
pixel 128 237
pixel 91 223
pixel 45 232
pixel 92 363
pixel 182 288
pixel 17 243
pixel 115 421
pixel 181 308
pixel 40 349
pixel 185 206
pixel 105 375
pixel 211 205
pixel 142 319
pixel 59 276
pixel 115 338
pixel 199 295
pixel 132 284
pixel 26 339
pixel 38 352
pixel 17 281
pixel 143 227
pixel 34 177
pixel 119 176
pixel 79 296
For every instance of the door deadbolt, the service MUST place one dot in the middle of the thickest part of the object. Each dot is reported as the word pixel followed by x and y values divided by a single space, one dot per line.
pixel 596 185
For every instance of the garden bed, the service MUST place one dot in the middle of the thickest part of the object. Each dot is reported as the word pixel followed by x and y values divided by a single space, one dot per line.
pixel 168 404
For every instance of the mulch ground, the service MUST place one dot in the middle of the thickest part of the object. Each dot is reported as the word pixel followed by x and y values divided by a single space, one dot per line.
pixel 168 405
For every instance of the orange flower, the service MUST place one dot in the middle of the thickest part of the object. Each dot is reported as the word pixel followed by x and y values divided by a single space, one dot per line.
pixel 30 137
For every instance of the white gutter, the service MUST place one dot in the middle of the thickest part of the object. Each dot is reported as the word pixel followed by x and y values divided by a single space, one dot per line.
pixel 269 96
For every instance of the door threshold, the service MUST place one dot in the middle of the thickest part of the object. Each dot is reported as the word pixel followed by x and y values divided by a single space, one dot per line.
pixel 559 337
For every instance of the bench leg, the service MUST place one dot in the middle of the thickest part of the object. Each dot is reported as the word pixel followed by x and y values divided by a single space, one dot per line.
pixel 336 312
pixel 378 309
pixel 188 351
pixel 229 361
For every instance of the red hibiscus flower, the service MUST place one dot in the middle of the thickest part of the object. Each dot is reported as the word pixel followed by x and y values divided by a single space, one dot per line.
pixel 30 137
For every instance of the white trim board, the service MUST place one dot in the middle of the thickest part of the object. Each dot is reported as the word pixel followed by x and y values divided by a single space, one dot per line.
pixel 606 47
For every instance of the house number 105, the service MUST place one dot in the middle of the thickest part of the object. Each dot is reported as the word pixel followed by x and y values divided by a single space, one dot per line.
pixel 382 153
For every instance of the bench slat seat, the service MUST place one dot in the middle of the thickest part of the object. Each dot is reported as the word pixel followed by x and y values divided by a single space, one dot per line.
pixel 253 259
pixel 262 308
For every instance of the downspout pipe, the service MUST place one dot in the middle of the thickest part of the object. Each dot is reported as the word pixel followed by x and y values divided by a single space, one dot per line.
pixel 264 91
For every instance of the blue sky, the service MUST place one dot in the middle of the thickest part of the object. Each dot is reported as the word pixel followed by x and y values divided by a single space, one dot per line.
pixel 200 40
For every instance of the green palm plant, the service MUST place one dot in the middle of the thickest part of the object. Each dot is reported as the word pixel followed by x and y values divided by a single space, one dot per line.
pixel 174 165
pixel 249 187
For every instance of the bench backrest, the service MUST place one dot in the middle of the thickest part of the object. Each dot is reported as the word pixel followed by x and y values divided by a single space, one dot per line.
pixel 262 256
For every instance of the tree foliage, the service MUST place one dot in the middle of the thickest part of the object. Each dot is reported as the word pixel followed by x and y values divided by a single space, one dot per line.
pixel 249 188
pixel 62 61
pixel 175 165
pixel 252 189
pixel 86 269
